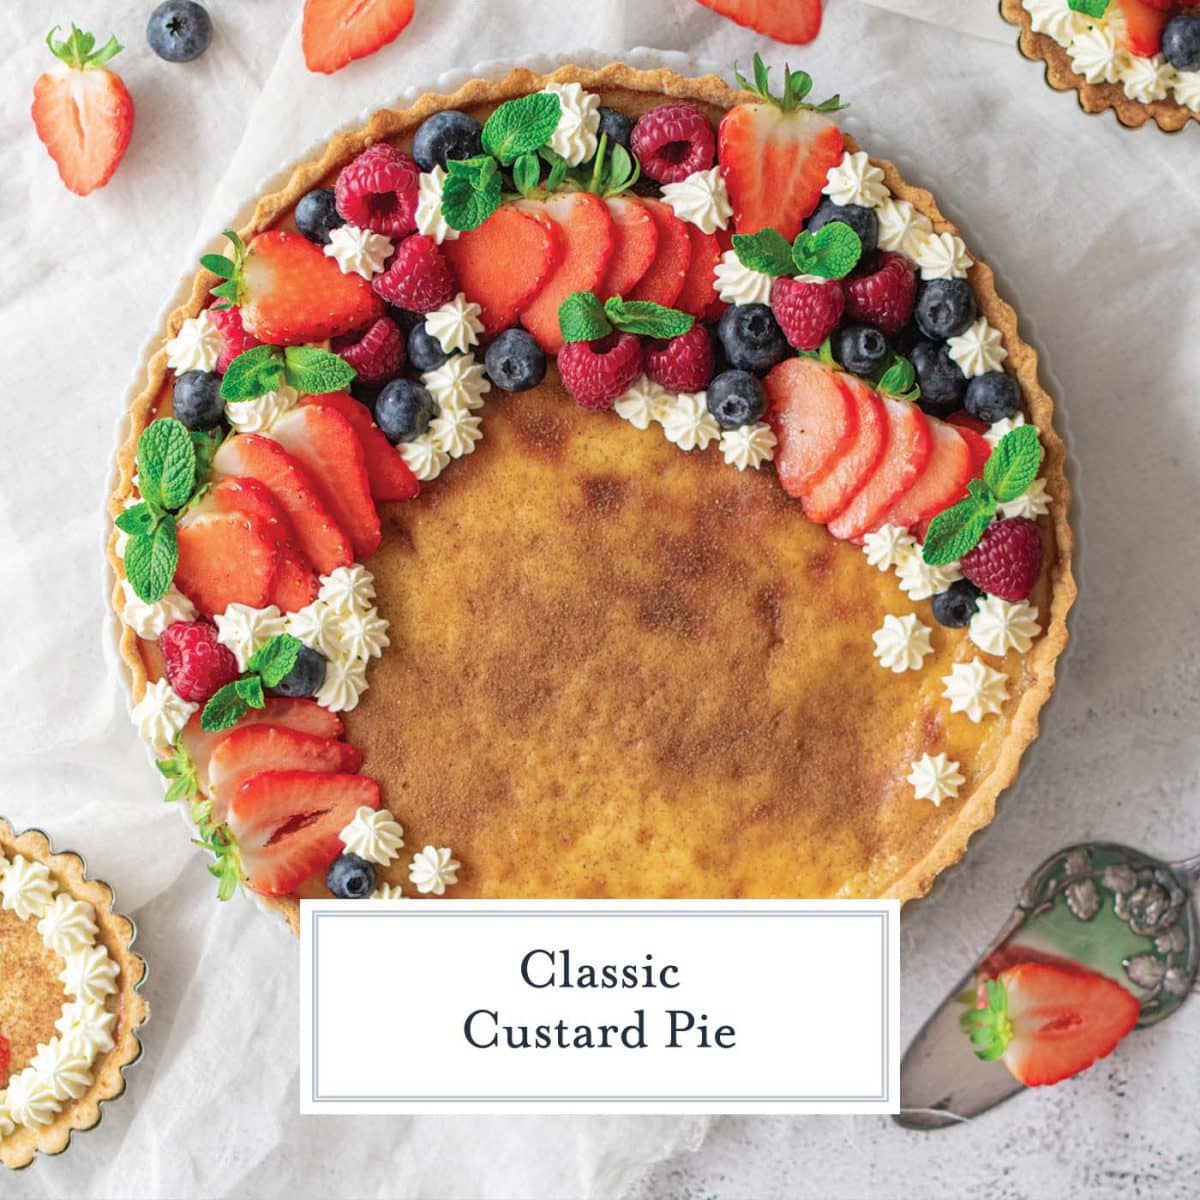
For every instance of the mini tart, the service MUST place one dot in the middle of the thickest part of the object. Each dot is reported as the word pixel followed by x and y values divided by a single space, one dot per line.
pixel 849 825
pixel 1167 114
pixel 31 996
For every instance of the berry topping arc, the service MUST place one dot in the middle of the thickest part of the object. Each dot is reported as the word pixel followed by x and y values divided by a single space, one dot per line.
pixel 733 282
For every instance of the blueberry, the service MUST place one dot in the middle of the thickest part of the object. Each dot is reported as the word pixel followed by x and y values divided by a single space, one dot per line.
pixel 751 338
pixel 1181 42
pixel 515 362
pixel 446 135
pixel 350 877
pixel 403 410
pixel 861 349
pixel 197 399
pixel 179 30
pixel 945 307
pixel 424 350
pixel 942 383
pixel 317 217
pixel 992 397
pixel 736 398
pixel 862 220
pixel 617 125
pixel 955 607
pixel 306 677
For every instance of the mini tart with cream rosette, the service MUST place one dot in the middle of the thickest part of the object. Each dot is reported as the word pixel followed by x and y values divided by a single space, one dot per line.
pixel 70 1004
pixel 632 624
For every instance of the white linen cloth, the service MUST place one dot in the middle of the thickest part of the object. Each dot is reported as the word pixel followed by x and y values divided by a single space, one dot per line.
pixel 1092 230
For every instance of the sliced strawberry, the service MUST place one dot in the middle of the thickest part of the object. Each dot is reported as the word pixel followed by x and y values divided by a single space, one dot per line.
pixel 775 156
pixel 832 493
pixel 225 557
pixel 813 419
pixel 963 420
pixel 980 447
pixel 290 292
pixel 636 242
pixel 794 21
pixel 388 474
pixel 285 824
pixel 320 536
pixel 82 112
pixel 1138 27
pixel 698 293
pixel 1050 1022
pixel 904 457
pixel 505 262
pixel 249 750
pixel 940 484
pixel 588 241
pixel 664 280
pixel 323 441
pixel 336 32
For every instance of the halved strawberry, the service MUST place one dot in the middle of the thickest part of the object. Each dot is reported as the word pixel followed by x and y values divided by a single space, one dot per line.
pixel 635 245
pixel 388 474
pixel 663 280
pixel 336 32
pixel 505 262
pixel 82 112
pixel 290 292
pixel 285 824
pixel 322 440
pixel 775 156
pixel 1049 1022
pixel 588 241
pixel 940 484
pixel 832 493
pixel 698 293
pixel 249 750
pixel 904 458
pixel 1138 27
pixel 813 420
pixel 319 534
pixel 792 21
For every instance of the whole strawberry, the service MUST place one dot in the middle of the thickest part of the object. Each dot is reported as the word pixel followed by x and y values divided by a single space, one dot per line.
pixel 378 191
pixel 419 278
pixel 1008 559
pixel 684 363
pixel 807 310
pixel 596 373
pixel 196 662
pixel 884 297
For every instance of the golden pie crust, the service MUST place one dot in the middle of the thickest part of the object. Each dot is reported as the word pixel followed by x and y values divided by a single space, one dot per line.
pixel 31 997
pixel 1167 114
pixel 673 852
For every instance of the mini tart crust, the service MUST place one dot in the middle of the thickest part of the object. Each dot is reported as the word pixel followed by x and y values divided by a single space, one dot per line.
pixel 117 933
pixel 976 809
pixel 1168 115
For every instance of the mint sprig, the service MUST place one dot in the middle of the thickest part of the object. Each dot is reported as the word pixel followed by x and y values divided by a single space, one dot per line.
pixel 1089 8
pixel 472 191
pixel 830 253
pixel 521 126
pixel 1010 469
pixel 266 668
pixel 263 369
pixel 899 380
pixel 613 170
pixel 766 251
pixel 582 318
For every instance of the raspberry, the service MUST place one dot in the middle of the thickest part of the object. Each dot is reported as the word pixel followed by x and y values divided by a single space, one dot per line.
pixel 1008 559
pixel 672 141
pixel 234 338
pixel 683 364
pixel 378 191
pixel 807 311
pixel 378 354
pixel 5 1057
pixel 197 664
pixel 596 373
pixel 884 298
pixel 418 278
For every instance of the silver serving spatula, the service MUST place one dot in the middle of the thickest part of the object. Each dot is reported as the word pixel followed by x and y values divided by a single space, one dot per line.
pixel 1111 909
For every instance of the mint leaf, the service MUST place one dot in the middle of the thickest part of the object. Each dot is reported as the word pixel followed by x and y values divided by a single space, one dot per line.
pixel 471 192
pixel 527 172
pixel 166 464
pixel 253 373
pixel 275 659
pixel 581 318
pixel 647 319
pixel 1013 465
pixel 766 251
pixel 138 518
pixel 521 126
pixel 830 253
pixel 224 709
pixel 957 530
pixel 623 170
pixel 1090 8
pixel 900 380
pixel 150 560
pixel 249 690
pixel 316 372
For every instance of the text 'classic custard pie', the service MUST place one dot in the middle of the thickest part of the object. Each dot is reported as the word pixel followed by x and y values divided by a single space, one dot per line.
pixel 600 484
